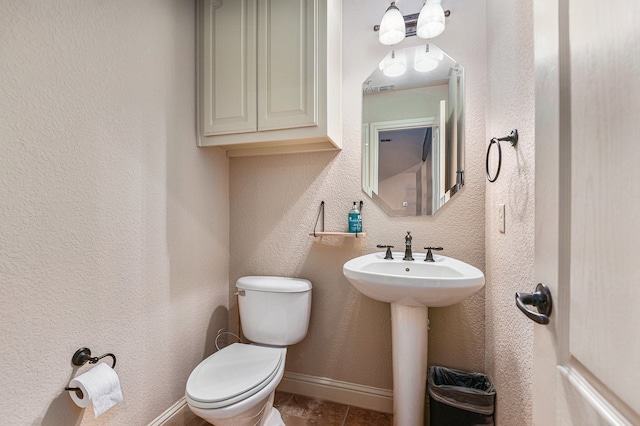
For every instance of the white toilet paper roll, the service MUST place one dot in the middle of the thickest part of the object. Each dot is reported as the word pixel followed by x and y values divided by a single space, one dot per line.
pixel 100 386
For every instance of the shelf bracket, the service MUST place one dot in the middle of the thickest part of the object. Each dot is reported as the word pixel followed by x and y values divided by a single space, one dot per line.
pixel 320 211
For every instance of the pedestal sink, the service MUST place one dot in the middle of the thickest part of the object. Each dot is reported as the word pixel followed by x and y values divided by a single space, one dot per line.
pixel 411 287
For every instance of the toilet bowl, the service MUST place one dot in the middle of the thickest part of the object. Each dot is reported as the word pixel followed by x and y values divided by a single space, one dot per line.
pixel 236 385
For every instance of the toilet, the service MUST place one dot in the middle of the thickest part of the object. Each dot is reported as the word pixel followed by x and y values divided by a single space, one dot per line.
pixel 236 385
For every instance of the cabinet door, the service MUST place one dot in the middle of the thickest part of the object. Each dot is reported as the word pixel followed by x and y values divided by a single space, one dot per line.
pixel 228 77
pixel 287 64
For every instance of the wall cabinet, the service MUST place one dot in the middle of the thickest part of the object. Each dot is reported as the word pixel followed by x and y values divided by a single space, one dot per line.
pixel 270 75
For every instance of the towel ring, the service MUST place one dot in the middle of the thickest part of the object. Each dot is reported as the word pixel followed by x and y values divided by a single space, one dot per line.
pixel 489 177
pixel 512 138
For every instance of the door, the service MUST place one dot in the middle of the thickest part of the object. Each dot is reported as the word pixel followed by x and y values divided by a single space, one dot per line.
pixel 587 359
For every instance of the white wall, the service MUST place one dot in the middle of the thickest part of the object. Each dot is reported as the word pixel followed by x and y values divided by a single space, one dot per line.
pixel 509 256
pixel 275 199
pixel 113 225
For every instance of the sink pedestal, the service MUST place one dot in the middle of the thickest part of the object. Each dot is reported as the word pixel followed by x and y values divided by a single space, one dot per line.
pixel 410 287
pixel 409 343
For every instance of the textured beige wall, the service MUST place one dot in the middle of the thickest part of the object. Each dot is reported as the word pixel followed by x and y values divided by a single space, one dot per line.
pixel 509 258
pixel 113 225
pixel 275 199
pixel 111 214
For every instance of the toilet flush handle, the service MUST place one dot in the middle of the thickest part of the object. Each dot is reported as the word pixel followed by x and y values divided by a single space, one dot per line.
pixel 240 293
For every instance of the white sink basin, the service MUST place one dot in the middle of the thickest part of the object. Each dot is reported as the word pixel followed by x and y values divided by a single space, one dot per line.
pixel 411 287
pixel 444 282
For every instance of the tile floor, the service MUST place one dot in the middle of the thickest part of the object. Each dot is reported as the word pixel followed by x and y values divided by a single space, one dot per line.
pixel 297 410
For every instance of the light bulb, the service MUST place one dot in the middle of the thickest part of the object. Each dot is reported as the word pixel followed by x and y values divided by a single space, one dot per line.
pixel 392 29
pixel 430 20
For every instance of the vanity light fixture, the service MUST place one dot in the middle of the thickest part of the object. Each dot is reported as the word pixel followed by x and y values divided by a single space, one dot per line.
pixel 431 20
pixel 394 64
pixel 429 23
pixel 392 27
pixel 427 58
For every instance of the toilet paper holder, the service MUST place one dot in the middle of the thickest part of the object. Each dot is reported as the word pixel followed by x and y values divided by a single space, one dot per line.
pixel 82 356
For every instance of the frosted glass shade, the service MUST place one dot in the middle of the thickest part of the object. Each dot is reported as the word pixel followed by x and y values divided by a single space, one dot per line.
pixel 394 64
pixel 430 20
pixel 427 58
pixel 392 29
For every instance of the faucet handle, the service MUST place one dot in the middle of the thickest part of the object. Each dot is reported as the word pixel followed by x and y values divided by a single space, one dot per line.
pixel 429 257
pixel 388 253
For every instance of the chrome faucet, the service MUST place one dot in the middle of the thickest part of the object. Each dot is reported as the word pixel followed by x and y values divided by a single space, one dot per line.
pixel 407 250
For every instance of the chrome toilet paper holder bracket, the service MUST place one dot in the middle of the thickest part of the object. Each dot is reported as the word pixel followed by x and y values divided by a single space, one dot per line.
pixel 82 356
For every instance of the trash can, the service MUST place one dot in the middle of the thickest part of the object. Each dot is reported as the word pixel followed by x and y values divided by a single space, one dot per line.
pixel 460 398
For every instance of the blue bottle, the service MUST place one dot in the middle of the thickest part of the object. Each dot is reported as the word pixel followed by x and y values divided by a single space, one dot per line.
pixel 355 219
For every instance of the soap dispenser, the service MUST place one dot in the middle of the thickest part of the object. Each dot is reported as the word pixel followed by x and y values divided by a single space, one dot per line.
pixel 355 219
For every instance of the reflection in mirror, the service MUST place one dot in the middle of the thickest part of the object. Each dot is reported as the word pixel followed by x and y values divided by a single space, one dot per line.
pixel 413 131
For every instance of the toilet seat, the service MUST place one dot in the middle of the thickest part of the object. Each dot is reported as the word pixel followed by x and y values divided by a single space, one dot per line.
pixel 233 374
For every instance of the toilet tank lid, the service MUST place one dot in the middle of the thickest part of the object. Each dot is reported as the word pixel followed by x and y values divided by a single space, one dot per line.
pixel 274 284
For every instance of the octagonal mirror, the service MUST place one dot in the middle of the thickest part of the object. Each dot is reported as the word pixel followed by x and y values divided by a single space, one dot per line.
pixel 413 131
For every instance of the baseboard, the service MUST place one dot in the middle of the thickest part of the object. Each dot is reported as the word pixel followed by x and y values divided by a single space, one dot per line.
pixel 169 413
pixel 368 397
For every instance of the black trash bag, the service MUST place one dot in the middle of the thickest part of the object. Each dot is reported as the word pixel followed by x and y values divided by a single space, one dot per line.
pixel 460 397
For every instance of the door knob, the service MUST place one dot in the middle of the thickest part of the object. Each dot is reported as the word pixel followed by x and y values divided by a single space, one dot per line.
pixel 541 300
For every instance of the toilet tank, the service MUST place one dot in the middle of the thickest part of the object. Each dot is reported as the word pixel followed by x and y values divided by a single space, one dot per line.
pixel 274 310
